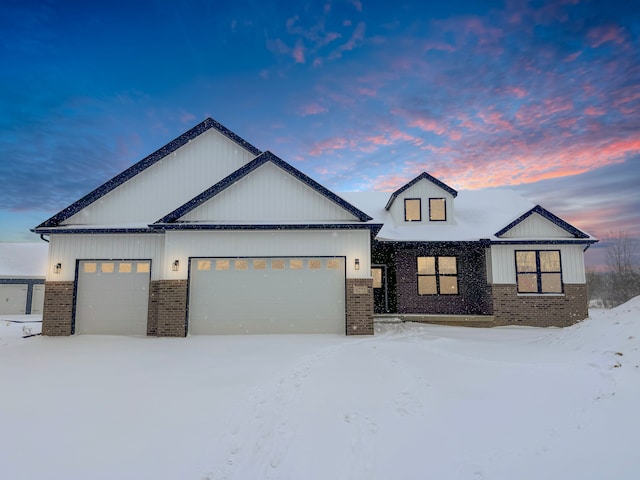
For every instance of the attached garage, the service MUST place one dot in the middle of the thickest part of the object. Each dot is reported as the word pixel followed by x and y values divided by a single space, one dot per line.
pixel 266 295
pixel 112 297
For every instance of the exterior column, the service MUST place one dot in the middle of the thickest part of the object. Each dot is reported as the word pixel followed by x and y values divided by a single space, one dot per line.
pixel 57 312
pixel 167 308
pixel 359 310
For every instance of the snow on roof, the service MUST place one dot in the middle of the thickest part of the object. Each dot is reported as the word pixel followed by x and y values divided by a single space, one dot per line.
pixel 23 259
pixel 478 214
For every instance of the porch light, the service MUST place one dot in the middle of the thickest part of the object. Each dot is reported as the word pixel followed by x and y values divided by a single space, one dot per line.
pixel 357 264
pixel 57 267
pixel 175 265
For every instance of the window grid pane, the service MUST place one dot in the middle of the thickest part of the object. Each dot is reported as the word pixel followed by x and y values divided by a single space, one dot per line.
pixel 427 285
pixel 527 283
pixel 427 265
pixel 550 261
pixel 551 283
pixel 447 265
pixel 449 285
pixel 526 261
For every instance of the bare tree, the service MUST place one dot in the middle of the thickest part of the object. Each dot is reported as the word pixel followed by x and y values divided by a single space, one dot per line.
pixel 622 259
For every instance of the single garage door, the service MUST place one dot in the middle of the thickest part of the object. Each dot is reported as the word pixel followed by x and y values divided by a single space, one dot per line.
pixel 13 299
pixel 112 297
pixel 266 295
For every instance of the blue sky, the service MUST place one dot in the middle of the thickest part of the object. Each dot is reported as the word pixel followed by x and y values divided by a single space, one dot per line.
pixel 541 97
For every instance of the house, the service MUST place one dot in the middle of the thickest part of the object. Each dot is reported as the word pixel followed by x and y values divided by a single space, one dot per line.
pixel 210 235
pixel 22 276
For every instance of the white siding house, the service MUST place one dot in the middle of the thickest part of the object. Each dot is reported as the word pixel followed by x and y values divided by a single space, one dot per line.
pixel 209 235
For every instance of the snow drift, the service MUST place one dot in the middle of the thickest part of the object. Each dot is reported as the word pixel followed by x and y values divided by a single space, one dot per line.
pixel 412 402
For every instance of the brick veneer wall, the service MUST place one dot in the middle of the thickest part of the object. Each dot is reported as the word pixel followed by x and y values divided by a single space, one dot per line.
pixel 57 313
pixel 167 308
pixel 359 310
pixel 509 308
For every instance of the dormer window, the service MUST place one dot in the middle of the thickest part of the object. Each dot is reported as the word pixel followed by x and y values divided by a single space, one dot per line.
pixel 437 209
pixel 412 210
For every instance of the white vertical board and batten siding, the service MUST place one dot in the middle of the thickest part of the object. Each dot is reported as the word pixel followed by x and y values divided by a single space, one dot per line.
pixel 536 226
pixel 351 244
pixel 503 268
pixel 66 249
pixel 424 190
pixel 269 194
pixel 167 184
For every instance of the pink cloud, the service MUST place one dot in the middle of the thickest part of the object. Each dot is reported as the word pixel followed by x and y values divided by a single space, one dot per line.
pixel 442 46
pixel 606 33
pixel 357 4
pixel 356 39
pixel 428 125
pixel 496 119
pixel 379 140
pixel 187 117
pixel 277 46
pixel 594 111
pixel 329 145
pixel 572 57
pixel 312 109
pixel 368 92
pixel 518 92
pixel 298 52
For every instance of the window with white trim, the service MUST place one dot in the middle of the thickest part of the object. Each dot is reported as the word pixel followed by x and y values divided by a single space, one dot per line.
pixel 538 271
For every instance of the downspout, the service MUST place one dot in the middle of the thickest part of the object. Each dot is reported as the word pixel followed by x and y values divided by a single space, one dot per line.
pixel 42 238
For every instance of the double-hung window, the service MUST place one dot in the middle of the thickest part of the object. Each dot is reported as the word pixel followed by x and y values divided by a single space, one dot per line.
pixel 538 271
pixel 437 276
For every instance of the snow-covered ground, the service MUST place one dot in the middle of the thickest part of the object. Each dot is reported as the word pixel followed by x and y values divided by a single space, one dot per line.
pixel 412 402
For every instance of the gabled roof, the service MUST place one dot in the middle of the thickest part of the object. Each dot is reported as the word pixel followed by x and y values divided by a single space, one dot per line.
pixel 145 163
pixel 246 170
pixel 549 216
pixel 422 176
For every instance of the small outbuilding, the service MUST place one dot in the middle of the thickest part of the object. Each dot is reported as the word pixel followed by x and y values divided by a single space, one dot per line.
pixel 23 268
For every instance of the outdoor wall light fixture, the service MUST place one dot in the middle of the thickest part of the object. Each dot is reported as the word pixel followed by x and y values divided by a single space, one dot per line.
pixel 57 267
pixel 175 266
pixel 357 264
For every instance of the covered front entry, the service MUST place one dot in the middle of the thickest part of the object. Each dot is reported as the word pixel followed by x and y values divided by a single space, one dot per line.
pixel 267 295
pixel 112 297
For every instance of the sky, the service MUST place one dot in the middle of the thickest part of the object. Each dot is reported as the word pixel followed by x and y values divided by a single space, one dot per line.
pixel 539 97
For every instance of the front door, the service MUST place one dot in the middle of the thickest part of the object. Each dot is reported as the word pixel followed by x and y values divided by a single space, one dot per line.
pixel 380 289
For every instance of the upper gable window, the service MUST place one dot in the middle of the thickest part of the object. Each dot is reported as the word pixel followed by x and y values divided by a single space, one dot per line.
pixel 412 210
pixel 437 209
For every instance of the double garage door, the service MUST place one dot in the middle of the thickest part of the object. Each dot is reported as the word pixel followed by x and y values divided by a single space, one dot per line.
pixel 267 295
pixel 226 296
